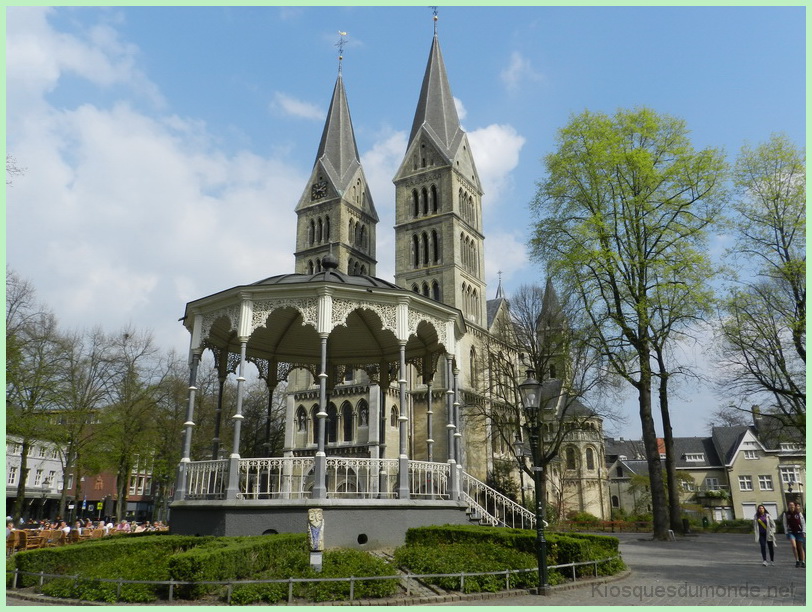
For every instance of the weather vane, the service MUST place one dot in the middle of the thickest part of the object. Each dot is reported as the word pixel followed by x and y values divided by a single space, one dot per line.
pixel 340 44
pixel 434 12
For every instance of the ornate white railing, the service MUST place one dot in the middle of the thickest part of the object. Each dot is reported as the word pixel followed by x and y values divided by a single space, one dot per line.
pixel 498 509
pixel 352 478
pixel 276 478
pixel 360 478
pixel 206 479
pixel 428 480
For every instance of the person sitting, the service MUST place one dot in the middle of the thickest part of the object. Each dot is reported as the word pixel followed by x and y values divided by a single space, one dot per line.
pixel 10 528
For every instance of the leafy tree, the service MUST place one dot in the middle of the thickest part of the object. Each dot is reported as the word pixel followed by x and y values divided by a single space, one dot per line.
pixel 33 365
pixel 622 218
pixel 128 424
pixel 763 327
pixel 539 333
pixel 79 396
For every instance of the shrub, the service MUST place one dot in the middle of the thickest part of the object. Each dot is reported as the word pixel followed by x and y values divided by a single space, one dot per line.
pixel 454 549
pixel 233 558
pixel 336 564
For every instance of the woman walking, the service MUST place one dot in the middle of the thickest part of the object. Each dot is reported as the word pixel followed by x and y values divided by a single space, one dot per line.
pixel 795 528
pixel 764 528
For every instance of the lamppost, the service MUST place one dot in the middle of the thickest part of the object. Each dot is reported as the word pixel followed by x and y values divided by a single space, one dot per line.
pixel 531 392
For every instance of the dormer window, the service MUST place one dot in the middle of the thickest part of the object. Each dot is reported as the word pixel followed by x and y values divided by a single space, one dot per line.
pixel 695 457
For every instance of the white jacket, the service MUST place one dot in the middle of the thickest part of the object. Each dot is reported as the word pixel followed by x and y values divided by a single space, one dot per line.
pixel 770 528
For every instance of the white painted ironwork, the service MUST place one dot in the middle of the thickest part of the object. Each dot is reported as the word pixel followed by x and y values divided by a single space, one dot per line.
pixel 352 478
pixel 361 478
pixel 494 508
pixel 428 480
pixel 206 479
pixel 276 478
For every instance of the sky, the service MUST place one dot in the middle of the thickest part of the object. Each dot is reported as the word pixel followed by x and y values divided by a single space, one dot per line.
pixel 165 148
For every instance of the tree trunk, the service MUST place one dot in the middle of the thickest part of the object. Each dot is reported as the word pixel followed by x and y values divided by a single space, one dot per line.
pixel 658 504
pixel 19 502
pixel 674 509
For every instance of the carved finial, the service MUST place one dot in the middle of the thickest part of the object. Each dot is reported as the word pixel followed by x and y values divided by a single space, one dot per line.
pixel 434 13
pixel 340 44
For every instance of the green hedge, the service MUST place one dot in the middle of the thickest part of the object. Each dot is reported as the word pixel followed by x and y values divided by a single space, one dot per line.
pixel 335 564
pixel 451 549
pixel 236 558
pixel 192 559
pixel 111 558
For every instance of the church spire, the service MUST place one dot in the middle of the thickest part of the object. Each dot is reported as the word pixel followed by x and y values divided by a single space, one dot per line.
pixel 338 152
pixel 336 215
pixel 436 111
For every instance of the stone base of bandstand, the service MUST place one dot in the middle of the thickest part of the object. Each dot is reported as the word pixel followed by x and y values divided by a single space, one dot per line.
pixel 348 523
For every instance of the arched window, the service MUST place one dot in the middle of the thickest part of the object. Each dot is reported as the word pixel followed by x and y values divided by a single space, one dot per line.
pixel 310 267
pixel 474 367
pixel 426 289
pixel 394 416
pixel 327 228
pixel 415 251
pixel 301 419
pixel 363 241
pixel 363 413
pixel 332 423
pixel 424 239
pixel 434 203
pixel 311 232
pixel 415 203
pixel 435 291
pixel 320 231
pixel 363 270
pixel 424 197
pixel 552 370
pixel 570 458
pixel 347 421
pixel 590 459
pixel 615 502
pixel 435 243
pixel 315 420
pixel 415 288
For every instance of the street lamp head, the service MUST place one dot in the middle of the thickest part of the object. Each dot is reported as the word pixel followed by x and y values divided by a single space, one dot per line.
pixel 530 393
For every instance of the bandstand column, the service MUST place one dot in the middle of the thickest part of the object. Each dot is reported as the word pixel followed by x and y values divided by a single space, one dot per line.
pixel 457 432
pixel 453 485
pixel 180 487
pixel 320 485
pixel 403 457
pixel 429 424
pixel 234 458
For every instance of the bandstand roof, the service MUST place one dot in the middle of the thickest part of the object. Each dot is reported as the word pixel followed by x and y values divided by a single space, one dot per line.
pixel 365 319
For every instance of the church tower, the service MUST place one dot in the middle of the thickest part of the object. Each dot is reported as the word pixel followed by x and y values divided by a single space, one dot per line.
pixel 438 204
pixel 336 213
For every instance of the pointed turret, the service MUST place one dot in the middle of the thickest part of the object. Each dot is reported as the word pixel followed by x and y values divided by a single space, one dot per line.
pixel 336 209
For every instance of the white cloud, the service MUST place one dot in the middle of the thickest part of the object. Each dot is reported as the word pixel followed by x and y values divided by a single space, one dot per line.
pixel 37 57
pixel 518 71
pixel 122 217
pixel 496 151
pixel 296 108
pixel 461 112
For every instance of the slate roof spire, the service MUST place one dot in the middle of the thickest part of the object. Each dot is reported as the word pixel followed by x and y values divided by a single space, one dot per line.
pixel 338 152
pixel 436 111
